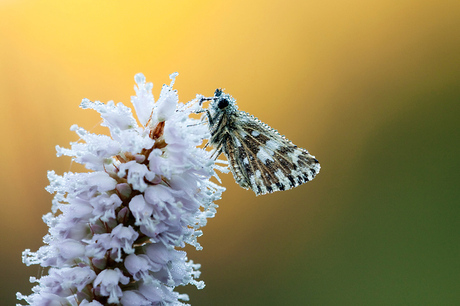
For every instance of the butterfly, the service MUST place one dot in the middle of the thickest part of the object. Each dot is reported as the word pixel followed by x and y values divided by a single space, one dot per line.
pixel 260 158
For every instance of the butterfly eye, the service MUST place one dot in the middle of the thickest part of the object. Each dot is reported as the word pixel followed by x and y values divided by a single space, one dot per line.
pixel 218 92
pixel 222 104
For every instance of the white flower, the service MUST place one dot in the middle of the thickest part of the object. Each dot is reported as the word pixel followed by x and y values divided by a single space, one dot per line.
pixel 106 283
pixel 114 232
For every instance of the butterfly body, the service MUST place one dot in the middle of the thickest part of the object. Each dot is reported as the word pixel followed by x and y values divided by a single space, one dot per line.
pixel 259 157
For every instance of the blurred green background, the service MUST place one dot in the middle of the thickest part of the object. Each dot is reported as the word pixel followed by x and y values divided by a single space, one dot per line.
pixel 371 88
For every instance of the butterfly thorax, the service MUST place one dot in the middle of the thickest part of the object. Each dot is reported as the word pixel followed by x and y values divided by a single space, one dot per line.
pixel 223 117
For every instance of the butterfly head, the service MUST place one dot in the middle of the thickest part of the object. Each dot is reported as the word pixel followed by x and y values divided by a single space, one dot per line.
pixel 222 102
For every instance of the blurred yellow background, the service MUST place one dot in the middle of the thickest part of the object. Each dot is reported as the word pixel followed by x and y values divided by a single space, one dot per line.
pixel 371 88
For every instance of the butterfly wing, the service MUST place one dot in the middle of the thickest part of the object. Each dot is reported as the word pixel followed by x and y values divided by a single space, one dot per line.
pixel 265 161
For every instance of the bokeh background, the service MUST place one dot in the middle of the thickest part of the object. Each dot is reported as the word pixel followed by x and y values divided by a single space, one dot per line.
pixel 372 88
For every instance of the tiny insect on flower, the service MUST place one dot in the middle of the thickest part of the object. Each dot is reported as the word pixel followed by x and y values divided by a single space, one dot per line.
pixel 260 158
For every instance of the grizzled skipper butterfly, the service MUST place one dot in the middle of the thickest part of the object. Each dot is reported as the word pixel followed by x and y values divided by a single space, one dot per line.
pixel 260 158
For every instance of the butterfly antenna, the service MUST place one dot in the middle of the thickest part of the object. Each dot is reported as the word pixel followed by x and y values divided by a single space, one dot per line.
pixel 204 99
